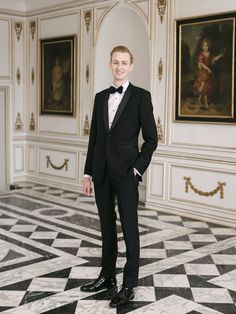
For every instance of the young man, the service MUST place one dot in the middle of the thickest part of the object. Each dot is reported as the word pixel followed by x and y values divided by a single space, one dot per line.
pixel 116 166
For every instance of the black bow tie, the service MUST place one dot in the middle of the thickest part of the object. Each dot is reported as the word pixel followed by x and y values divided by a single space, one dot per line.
pixel 113 90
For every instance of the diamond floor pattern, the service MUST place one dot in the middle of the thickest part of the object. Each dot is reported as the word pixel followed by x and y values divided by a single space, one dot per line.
pixel 50 245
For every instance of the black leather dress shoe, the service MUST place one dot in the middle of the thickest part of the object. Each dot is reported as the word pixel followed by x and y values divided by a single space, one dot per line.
pixel 100 283
pixel 123 296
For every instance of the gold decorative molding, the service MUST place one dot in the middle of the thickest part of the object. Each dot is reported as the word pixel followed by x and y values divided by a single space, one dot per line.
pixel 32 28
pixel 65 164
pixel 219 188
pixel 87 18
pixel 18 29
pixel 32 75
pixel 87 73
pixel 18 123
pixel 159 130
pixel 160 69
pixel 18 75
pixel 32 122
pixel 86 126
pixel 161 5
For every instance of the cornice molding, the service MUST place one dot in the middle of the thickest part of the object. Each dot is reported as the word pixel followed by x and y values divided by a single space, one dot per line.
pixel 12 13
pixel 195 156
pixel 50 9
pixel 104 10
pixel 64 141
pixel 136 4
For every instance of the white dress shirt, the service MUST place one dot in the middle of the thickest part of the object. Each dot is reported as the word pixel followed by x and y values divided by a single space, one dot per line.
pixel 114 101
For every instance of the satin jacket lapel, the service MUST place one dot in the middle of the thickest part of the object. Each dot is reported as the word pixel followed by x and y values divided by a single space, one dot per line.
pixel 122 105
pixel 105 111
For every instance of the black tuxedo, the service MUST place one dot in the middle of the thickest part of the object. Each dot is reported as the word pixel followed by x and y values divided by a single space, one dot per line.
pixel 112 155
pixel 118 146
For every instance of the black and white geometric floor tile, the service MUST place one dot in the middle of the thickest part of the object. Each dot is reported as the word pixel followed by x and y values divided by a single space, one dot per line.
pixel 50 245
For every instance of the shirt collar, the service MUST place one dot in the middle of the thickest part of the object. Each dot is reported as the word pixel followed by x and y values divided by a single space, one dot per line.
pixel 125 86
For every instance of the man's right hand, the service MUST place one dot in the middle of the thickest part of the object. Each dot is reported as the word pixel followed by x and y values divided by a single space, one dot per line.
pixel 87 186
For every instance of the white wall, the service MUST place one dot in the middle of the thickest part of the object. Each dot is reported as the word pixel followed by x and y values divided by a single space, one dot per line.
pixel 130 32
pixel 187 8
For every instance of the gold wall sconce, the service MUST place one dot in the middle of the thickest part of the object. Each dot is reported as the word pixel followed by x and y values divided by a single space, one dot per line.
pixel 18 76
pixel 32 75
pixel 160 70
pixel 87 73
pixel 87 18
pixel 18 123
pixel 18 29
pixel 161 5
pixel 159 130
pixel 86 126
pixel 32 122
pixel 32 28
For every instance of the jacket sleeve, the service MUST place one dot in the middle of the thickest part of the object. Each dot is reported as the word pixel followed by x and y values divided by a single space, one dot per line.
pixel 149 133
pixel 92 141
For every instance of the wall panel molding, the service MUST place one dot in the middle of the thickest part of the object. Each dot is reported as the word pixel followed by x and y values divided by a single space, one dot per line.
pixel 6 103
pixel 205 178
pixel 99 14
pixel 143 7
pixel 31 158
pixel 57 157
pixel 5 49
pixel 19 158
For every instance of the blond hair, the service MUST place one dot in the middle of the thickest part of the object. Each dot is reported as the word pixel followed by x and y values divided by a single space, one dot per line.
pixel 122 49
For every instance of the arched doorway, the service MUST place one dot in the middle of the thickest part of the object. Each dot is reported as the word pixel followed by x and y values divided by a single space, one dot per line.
pixel 4 138
pixel 122 26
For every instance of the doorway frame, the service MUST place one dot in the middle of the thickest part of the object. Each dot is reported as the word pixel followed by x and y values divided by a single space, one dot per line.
pixel 6 104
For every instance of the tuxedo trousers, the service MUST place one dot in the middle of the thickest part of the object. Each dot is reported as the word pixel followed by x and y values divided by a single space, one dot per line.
pixel 127 195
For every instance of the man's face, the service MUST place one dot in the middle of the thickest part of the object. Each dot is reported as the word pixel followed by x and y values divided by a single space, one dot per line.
pixel 120 66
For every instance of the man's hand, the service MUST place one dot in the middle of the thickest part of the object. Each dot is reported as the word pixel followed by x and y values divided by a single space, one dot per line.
pixel 87 186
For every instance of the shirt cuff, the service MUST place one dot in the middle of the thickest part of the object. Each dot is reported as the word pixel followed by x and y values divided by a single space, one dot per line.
pixel 87 176
pixel 137 172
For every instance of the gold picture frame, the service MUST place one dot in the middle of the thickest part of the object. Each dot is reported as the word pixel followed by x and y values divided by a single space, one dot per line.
pixel 205 69
pixel 58 76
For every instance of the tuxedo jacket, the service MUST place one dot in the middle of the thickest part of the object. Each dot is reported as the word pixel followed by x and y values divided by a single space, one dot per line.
pixel 116 148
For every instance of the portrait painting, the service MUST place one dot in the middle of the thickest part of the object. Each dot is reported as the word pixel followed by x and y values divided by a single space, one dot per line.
pixel 205 69
pixel 58 74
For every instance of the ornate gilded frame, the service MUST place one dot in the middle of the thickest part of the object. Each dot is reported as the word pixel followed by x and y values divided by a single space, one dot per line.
pixel 205 69
pixel 58 76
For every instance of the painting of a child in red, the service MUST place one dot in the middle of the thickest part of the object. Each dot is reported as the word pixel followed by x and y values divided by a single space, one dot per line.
pixel 205 69
pixel 204 84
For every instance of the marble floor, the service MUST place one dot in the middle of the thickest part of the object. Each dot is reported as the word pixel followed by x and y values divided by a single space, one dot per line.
pixel 50 245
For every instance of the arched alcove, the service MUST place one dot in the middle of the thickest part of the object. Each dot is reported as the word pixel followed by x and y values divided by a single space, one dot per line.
pixel 122 26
